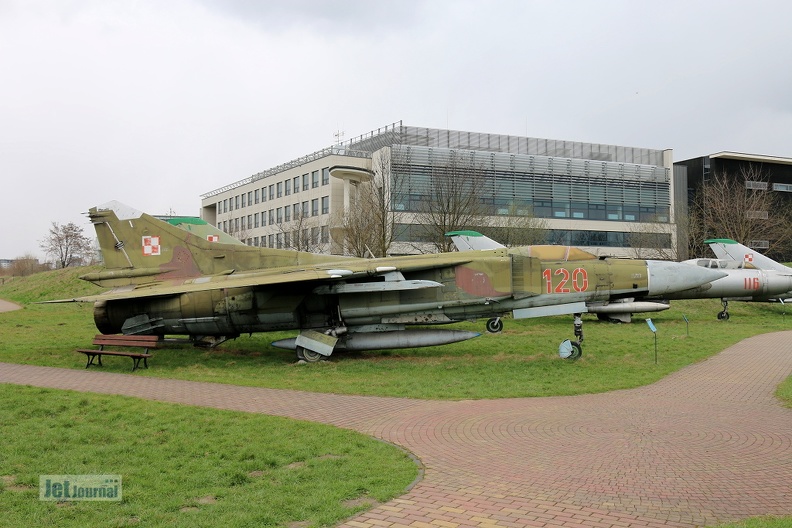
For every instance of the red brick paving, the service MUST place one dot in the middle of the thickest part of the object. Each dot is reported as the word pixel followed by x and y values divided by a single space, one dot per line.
pixel 705 445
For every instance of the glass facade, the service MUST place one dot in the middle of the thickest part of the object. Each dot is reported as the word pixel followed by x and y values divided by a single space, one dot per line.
pixel 544 186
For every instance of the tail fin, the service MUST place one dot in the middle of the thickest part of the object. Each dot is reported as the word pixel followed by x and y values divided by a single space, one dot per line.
pixel 472 240
pixel 726 249
pixel 140 249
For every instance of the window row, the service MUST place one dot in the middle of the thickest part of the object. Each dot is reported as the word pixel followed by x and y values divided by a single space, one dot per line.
pixel 551 209
pixel 306 209
pixel 300 240
pixel 276 190
pixel 565 237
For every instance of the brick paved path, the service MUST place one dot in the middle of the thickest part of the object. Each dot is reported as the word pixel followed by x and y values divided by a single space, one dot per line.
pixel 705 445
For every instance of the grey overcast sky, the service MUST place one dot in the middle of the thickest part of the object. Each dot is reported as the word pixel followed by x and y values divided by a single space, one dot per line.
pixel 154 103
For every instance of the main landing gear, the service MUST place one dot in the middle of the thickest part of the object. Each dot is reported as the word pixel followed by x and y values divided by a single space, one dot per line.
pixel 309 356
pixel 724 315
pixel 572 350
pixel 494 325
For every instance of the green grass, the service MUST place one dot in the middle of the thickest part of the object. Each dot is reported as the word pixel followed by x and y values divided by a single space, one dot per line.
pixel 521 361
pixel 186 466
pixel 761 522
pixel 203 467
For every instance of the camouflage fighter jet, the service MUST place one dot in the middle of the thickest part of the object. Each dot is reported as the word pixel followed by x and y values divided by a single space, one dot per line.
pixel 742 280
pixel 166 280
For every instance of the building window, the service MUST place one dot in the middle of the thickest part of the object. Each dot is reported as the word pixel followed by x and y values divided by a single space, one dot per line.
pixel 783 187
pixel 315 207
pixel 757 215
pixel 326 176
pixel 244 202
pixel 306 184
pixel 256 195
pixel 271 216
pixel 305 210
pixel 236 202
pixel 263 194
pixel 279 215
pixel 250 197
pixel 287 214
pixel 315 179
pixel 296 184
pixel 758 185
pixel 271 240
pixel 272 192
pixel 325 204
pixel 256 220
pixel 287 187
pixel 280 189
pixel 325 234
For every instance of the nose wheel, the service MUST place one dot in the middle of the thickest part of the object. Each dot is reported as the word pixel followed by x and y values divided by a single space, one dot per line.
pixel 724 315
pixel 569 349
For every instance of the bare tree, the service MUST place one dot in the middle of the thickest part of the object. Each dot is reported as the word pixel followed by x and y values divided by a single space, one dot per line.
pixel 239 229
pixel 455 198
pixel 26 265
pixel 67 245
pixel 302 232
pixel 740 207
pixel 369 225
pixel 519 227
pixel 651 240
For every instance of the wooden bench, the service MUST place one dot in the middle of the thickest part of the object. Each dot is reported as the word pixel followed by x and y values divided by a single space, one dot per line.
pixel 118 340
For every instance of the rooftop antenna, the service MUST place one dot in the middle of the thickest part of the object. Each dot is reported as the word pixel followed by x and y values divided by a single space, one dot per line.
pixel 339 136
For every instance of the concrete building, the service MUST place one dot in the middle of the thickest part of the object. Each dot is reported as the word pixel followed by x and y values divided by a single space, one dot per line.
pixel 598 197
pixel 775 173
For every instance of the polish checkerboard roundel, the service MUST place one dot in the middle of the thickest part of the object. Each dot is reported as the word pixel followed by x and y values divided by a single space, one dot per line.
pixel 151 246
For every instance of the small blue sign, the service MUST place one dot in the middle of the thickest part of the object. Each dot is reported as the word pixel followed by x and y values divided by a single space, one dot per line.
pixel 685 318
pixel 651 325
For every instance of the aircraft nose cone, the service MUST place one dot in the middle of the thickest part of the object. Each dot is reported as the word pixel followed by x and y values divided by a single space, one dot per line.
pixel 666 277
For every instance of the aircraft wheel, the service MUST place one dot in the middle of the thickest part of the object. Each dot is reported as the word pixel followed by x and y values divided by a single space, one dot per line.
pixel 577 351
pixel 570 350
pixel 309 356
pixel 723 316
pixel 494 325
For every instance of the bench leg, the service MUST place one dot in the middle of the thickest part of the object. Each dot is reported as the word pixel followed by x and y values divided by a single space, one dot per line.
pixel 136 363
pixel 91 358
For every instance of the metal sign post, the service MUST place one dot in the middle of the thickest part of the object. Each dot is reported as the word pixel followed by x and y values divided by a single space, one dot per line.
pixel 687 325
pixel 654 331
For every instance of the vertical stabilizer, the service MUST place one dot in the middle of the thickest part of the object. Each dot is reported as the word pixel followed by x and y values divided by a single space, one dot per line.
pixel 726 249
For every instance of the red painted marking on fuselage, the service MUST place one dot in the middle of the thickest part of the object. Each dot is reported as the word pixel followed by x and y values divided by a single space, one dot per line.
pixel 476 283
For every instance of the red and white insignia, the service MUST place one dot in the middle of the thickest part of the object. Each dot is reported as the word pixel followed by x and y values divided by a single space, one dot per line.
pixel 151 246
pixel 213 238
pixel 749 257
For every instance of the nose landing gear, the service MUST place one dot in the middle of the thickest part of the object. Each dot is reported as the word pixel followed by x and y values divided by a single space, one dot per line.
pixel 572 350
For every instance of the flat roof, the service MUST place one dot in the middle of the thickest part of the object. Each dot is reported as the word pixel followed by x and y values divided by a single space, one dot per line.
pixel 760 158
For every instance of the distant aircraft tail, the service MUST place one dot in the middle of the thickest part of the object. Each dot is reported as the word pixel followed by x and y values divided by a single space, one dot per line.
pixel 140 249
pixel 726 249
pixel 472 240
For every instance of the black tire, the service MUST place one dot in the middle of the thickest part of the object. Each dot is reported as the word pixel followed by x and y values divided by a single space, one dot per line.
pixel 723 316
pixel 577 351
pixel 494 325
